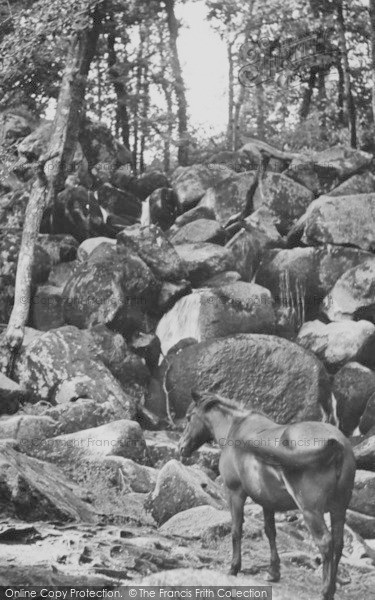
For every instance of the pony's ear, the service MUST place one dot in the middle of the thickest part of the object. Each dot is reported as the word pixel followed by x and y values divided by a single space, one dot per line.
pixel 196 395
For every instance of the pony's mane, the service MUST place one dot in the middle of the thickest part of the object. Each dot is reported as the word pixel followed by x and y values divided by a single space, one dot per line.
pixel 207 400
pixel 212 400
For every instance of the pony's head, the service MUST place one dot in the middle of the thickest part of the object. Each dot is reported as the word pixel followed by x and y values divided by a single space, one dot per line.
pixel 196 431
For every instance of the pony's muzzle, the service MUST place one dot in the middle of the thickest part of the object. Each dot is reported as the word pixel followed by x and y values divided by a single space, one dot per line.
pixel 183 449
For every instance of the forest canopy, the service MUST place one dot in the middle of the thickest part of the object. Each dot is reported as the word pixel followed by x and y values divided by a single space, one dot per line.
pixel 300 72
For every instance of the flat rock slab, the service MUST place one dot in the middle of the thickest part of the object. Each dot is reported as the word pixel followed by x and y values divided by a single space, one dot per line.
pixel 32 489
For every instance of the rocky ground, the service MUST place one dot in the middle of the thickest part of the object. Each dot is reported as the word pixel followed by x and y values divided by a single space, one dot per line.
pixel 273 309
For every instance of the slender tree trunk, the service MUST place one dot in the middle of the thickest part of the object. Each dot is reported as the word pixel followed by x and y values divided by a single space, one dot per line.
pixel 372 21
pixel 259 94
pixel 230 127
pixel 144 120
pixel 167 90
pixel 322 97
pixel 341 94
pixel 179 85
pixel 307 95
pixel 122 115
pixel 139 84
pixel 349 100
pixel 50 182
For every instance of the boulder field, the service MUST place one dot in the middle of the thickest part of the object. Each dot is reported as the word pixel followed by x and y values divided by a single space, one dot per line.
pixel 265 296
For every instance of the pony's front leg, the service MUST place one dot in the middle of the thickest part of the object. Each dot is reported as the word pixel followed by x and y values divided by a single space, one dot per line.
pixel 270 529
pixel 236 499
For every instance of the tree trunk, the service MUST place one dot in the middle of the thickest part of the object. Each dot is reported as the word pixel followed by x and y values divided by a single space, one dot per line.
pixel 139 84
pixel 60 153
pixel 372 21
pixel 348 97
pixel 122 115
pixel 341 94
pixel 230 127
pixel 179 85
pixel 144 120
pixel 259 94
pixel 307 95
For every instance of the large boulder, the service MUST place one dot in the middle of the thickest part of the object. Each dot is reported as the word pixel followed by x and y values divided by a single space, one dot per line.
pixel 83 413
pixel 33 490
pixel 201 522
pixel 311 271
pixel 357 184
pixel 205 260
pixel 337 343
pixel 228 197
pixel 341 220
pixel 52 359
pixel 344 160
pixel 318 178
pixel 191 183
pixel 27 428
pixel 353 295
pixel 212 313
pixel 353 385
pixel 262 372
pixel 73 451
pixel 198 212
pixel 114 289
pixel 179 488
pixel 201 230
pixel 151 245
pixel 285 197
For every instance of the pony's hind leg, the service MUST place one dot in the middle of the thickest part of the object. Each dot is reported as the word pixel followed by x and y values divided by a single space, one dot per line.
pixel 337 528
pixel 270 530
pixel 236 499
pixel 323 539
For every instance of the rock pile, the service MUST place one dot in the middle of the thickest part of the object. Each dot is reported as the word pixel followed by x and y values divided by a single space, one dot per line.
pixel 276 312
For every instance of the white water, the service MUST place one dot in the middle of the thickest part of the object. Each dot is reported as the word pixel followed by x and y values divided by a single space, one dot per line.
pixel 183 320
pixel 146 216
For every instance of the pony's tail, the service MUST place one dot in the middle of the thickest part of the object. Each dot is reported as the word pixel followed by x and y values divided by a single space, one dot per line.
pixel 332 451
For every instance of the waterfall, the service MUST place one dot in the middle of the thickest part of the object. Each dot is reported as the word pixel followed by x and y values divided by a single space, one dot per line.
pixel 183 320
